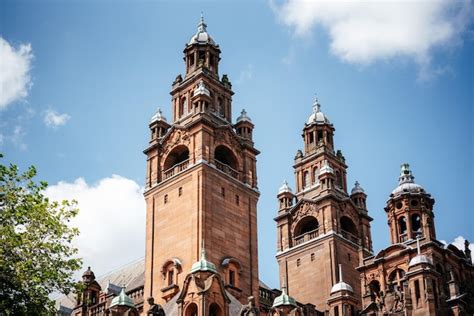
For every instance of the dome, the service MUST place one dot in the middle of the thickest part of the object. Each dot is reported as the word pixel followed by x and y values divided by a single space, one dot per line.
pixel 419 258
pixel 284 188
pixel 317 116
pixel 406 183
pixel 284 300
pixel 203 264
pixel 122 300
pixel 357 188
pixel 158 116
pixel 201 37
pixel 244 117
pixel 341 285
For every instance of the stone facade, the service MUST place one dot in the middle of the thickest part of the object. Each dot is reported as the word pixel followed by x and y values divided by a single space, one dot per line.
pixel 201 225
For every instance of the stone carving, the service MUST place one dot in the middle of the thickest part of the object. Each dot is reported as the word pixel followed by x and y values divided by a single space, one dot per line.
pixel 250 309
pixel 155 309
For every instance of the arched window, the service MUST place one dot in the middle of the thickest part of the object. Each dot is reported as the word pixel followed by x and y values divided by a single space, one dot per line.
pixel 306 180
pixel 316 175
pixel 306 229
pixel 170 270
pixel 416 226
pixel 348 225
pixel 178 155
pixel 232 269
pixel 397 278
pixel 183 106
pixel 374 289
pixel 226 161
pixel 214 310
pixel 191 310
pixel 402 228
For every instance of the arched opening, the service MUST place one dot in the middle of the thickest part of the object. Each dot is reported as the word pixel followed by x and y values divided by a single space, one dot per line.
pixel 191 310
pixel 316 175
pixel 348 225
pixel 306 180
pixel 374 289
pixel 306 229
pixel 416 226
pixel 339 179
pixel 214 310
pixel 226 161
pixel 177 156
pixel 402 228
pixel 396 279
pixel 183 106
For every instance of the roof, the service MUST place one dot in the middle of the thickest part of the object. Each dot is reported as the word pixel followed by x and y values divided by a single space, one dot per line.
pixel 122 300
pixel 284 300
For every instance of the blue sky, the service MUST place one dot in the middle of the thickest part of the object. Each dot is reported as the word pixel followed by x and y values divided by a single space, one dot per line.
pixel 87 76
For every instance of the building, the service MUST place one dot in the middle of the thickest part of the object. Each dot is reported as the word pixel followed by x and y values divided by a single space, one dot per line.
pixel 201 232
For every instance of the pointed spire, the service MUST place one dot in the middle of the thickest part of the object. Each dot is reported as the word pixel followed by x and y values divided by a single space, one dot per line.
pixel 243 116
pixel 340 273
pixel 316 105
pixel 203 251
pixel 202 25
pixel 418 250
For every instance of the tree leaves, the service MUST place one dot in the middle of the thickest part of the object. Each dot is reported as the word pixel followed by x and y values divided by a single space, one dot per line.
pixel 37 257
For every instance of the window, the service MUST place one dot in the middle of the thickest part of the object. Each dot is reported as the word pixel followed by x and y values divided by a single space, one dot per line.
pixel 417 293
pixel 306 180
pixel 312 257
pixel 223 192
pixel 397 278
pixel 316 175
pixel 232 277
pixel 416 225
pixel 166 198
pixel 336 310
pixel 237 199
pixel 298 262
pixel 191 59
pixel 402 229
pixel 320 136
pixel 170 277
pixel 180 191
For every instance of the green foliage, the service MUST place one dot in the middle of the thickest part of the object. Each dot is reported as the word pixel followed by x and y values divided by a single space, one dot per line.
pixel 37 257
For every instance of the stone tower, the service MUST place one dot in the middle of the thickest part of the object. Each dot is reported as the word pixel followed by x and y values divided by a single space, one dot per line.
pixel 321 225
pixel 201 182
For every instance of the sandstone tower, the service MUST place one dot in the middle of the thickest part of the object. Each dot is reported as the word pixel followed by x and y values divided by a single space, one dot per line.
pixel 321 225
pixel 201 182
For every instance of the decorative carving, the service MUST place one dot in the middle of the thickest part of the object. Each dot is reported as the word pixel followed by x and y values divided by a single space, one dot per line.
pixel 155 309
pixel 250 309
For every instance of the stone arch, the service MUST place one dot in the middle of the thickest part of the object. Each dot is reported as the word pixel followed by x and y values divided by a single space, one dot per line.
pixel 191 310
pixel 347 225
pixel 177 155
pixel 215 310
pixel 170 269
pixel 305 225
pixel 225 155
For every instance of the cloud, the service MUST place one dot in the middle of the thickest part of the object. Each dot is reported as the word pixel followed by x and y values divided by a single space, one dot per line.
pixel 54 119
pixel 111 220
pixel 15 65
pixel 362 32
pixel 459 243
pixel 245 74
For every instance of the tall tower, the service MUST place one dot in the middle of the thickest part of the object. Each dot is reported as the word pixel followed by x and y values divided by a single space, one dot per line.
pixel 201 182
pixel 321 226
pixel 410 210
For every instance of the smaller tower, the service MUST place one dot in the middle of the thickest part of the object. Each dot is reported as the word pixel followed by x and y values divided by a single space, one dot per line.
pixel 284 305
pixel 90 294
pixel 410 210
pixel 342 300
pixel 122 305
pixel 244 126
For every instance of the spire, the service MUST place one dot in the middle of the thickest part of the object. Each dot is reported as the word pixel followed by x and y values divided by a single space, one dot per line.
pixel 316 105
pixel 158 116
pixel 202 25
pixel 357 188
pixel 203 251
pixel 340 273
pixel 341 285
pixel 203 264
pixel 418 250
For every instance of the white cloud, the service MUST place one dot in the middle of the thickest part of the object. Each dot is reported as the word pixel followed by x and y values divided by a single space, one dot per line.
pixel 54 119
pixel 362 32
pixel 15 65
pixel 111 220
pixel 459 243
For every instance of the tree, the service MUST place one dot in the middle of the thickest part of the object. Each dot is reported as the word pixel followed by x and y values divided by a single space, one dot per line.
pixel 37 257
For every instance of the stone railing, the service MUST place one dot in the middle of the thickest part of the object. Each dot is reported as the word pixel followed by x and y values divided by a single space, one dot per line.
pixel 305 237
pixel 226 168
pixel 349 236
pixel 168 173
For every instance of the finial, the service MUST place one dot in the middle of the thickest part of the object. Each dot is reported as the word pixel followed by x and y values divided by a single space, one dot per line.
pixel 340 272
pixel 418 250
pixel 202 25
pixel 405 174
pixel 283 287
pixel 357 184
pixel 316 105
pixel 203 250
pixel 243 112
